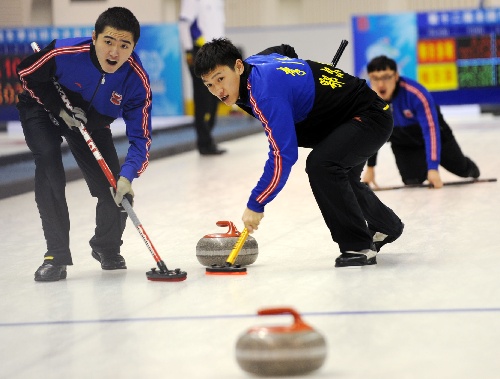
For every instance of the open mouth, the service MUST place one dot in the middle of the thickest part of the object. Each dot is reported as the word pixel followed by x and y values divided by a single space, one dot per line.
pixel 111 63
pixel 224 98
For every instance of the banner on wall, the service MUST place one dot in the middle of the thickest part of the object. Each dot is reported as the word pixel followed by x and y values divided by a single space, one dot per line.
pixel 160 52
pixel 158 48
pixel 454 54
pixel 393 35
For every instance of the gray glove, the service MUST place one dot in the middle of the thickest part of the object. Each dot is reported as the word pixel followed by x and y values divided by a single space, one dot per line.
pixel 123 188
pixel 73 118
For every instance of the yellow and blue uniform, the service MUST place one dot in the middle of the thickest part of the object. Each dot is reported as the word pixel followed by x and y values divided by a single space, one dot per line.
pixel 302 103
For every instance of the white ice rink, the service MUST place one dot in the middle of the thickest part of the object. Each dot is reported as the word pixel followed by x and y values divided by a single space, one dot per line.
pixel 430 308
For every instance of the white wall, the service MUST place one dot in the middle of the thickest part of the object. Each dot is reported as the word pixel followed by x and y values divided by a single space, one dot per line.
pixel 315 42
pixel 66 12
pixel 240 13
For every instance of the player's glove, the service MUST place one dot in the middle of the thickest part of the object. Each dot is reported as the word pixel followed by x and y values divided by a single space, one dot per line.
pixel 73 118
pixel 123 188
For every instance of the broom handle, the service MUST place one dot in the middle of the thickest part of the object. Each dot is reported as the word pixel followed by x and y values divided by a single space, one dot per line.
pixel 455 183
pixel 339 52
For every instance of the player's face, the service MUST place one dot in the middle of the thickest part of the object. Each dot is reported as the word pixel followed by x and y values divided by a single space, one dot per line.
pixel 224 82
pixel 113 47
pixel 384 83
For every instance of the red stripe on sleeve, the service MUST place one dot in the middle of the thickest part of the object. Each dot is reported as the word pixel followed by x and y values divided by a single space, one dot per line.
pixel 145 115
pixel 428 116
pixel 277 155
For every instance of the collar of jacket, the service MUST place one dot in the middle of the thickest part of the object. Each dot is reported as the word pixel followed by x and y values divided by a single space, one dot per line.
pixel 396 90
pixel 93 58
pixel 243 99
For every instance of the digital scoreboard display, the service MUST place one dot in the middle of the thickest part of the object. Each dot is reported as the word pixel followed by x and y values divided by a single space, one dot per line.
pixel 9 83
pixel 454 54
pixel 14 47
pixel 459 51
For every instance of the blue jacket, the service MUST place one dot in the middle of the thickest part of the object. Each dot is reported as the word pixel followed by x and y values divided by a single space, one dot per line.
pixel 298 103
pixel 416 121
pixel 104 97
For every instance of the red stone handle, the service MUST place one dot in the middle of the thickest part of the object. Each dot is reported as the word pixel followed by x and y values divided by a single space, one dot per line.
pixel 298 323
pixel 232 231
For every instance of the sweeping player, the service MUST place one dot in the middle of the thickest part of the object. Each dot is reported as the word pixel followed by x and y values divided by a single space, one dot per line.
pixel 310 104
pixel 421 140
pixel 103 79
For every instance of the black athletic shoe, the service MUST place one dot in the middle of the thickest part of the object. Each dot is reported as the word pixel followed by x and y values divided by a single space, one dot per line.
pixel 380 239
pixel 356 258
pixel 212 151
pixel 48 272
pixel 110 262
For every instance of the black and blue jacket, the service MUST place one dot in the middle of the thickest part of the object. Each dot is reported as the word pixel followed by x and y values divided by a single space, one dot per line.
pixel 104 97
pixel 416 121
pixel 299 103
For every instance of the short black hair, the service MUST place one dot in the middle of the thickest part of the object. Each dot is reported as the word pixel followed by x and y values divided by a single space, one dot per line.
pixel 218 52
pixel 381 63
pixel 118 18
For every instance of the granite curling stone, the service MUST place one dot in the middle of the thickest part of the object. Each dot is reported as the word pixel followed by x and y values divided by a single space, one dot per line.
pixel 214 249
pixel 281 350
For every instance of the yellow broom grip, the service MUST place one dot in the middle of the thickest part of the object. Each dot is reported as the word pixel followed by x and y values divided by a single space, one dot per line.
pixel 237 246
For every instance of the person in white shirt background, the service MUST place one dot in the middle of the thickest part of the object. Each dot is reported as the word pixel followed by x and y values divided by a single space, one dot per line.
pixel 201 21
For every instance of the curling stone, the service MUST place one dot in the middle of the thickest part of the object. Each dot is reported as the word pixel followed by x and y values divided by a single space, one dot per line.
pixel 281 350
pixel 214 249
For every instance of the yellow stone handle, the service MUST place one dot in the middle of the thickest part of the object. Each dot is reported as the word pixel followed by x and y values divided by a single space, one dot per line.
pixel 237 247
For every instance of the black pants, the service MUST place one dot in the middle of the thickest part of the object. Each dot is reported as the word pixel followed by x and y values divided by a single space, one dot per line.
pixel 205 113
pixel 411 160
pixel 350 208
pixel 44 140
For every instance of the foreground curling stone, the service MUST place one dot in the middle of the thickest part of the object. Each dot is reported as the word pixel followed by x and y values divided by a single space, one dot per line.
pixel 281 350
pixel 214 249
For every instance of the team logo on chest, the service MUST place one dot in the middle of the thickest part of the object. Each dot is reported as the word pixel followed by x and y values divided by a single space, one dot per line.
pixel 408 113
pixel 116 98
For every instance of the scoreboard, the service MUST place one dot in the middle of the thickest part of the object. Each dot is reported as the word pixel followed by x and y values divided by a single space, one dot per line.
pixel 459 51
pixel 9 84
pixel 454 54
pixel 14 47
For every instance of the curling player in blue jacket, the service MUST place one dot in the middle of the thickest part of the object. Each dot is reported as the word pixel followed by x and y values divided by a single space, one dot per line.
pixel 302 103
pixel 421 140
pixel 103 79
